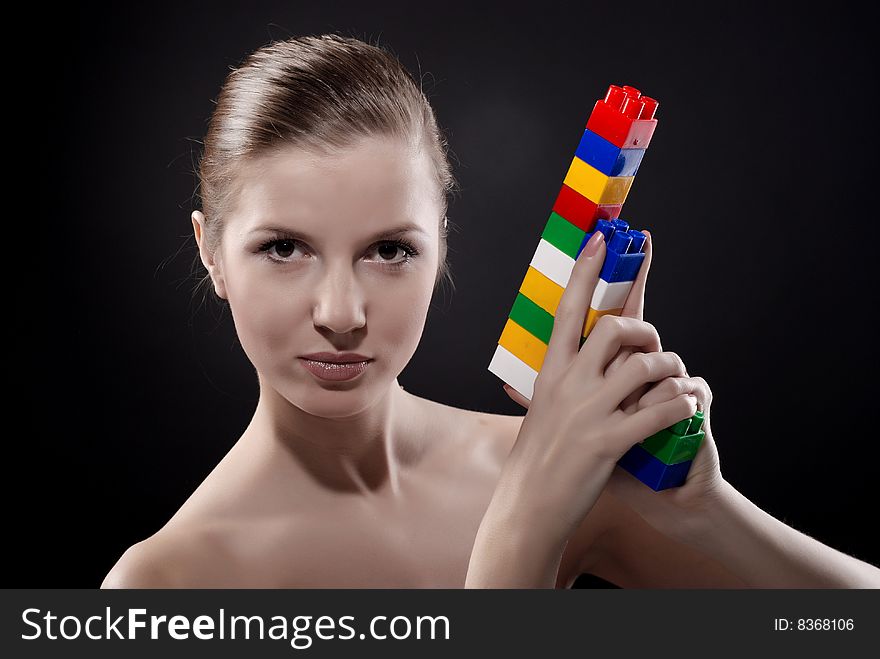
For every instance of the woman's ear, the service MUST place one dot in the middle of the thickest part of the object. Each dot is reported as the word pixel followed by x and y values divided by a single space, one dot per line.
pixel 213 267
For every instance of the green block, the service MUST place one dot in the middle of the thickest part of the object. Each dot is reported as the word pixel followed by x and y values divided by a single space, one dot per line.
pixel 680 428
pixel 563 235
pixel 671 447
pixel 696 422
pixel 531 317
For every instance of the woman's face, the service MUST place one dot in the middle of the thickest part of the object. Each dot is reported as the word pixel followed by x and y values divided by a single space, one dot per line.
pixel 306 268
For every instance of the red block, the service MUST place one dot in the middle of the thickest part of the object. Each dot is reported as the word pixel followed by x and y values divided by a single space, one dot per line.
pixel 625 118
pixel 582 212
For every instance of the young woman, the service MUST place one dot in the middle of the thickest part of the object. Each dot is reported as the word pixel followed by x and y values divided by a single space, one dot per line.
pixel 324 184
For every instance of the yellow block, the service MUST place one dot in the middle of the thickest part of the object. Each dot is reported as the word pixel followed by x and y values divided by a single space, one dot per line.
pixel 595 186
pixel 541 290
pixel 593 316
pixel 524 345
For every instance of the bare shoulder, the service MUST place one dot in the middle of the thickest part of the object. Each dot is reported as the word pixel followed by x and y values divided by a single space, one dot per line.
pixel 457 416
pixel 496 432
pixel 508 427
pixel 501 427
pixel 164 560
pixel 142 565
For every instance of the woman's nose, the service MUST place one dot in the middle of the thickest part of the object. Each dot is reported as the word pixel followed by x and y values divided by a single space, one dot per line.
pixel 339 303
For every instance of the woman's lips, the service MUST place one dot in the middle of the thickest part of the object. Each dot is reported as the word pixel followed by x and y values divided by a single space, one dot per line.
pixel 336 372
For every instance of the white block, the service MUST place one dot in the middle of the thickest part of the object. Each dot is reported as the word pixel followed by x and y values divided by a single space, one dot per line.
pixel 610 296
pixel 552 263
pixel 512 370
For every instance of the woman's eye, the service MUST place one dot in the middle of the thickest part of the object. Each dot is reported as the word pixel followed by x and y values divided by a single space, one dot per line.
pixel 387 251
pixel 278 250
pixel 284 248
pixel 281 250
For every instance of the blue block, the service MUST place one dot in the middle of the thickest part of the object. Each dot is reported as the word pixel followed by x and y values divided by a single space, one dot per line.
pixel 621 267
pixel 628 162
pixel 609 159
pixel 623 254
pixel 654 472
pixel 607 228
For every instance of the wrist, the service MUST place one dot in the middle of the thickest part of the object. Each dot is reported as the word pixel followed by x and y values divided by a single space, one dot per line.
pixel 528 511
pixel 701 524
pixel 765 552
pixel 510 551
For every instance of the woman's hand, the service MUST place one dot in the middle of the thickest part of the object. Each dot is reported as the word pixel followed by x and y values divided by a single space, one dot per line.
pixel 634 307
pixel 676 510
pixel 576 427
pixel 670 511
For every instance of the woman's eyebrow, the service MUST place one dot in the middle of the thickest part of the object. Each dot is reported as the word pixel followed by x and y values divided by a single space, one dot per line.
pixel 384 234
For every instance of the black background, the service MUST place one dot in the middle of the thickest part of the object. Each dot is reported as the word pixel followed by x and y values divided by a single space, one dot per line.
pixel 758 188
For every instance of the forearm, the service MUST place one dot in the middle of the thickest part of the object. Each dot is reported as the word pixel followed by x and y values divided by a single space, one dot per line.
pixel 510 553
pixel 766 553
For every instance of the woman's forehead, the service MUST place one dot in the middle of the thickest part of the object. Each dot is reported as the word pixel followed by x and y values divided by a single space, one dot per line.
pixel 377 181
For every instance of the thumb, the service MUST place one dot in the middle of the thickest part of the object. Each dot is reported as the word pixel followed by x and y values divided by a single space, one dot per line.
pixel 516 396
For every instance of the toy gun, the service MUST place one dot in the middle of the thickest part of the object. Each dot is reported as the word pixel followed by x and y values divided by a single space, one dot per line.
pixel 598 181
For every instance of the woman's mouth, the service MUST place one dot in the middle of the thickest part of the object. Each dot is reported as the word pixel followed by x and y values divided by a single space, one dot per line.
pixel 334 371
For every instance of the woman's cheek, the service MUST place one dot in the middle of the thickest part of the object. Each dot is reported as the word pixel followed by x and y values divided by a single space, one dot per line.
pixel 267 323
pixel 402 321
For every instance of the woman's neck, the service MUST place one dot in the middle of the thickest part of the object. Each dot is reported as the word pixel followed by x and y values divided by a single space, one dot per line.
pixel 362 452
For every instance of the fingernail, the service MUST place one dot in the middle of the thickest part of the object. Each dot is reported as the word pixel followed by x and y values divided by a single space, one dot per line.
pixel 592 245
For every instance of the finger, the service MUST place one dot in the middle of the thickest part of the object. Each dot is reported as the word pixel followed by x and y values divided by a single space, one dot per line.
pixel 675 386
pixel 516 396
pixel 609 335
pixel 568 319
pixel 630 403
pixel 640 369
pixel 667 390
pixel 651 420
pixel 619 360
pixel 634 307
pixel 704 400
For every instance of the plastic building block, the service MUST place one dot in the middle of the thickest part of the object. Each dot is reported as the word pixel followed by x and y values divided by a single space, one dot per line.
pixel 610 295
pixel 531 317
pixel 552 263
pixel 623 258
pixel 582 212
pixel 563 235
pixel 513 370
pixel 652 472
pixel 625 118
pixel 624 254
pixel 541 290
pixel 676 444
pixel 593 316
pixel 664 459
pixel 595 185
pixel 522 344
pixel 592 195
pixel 609 159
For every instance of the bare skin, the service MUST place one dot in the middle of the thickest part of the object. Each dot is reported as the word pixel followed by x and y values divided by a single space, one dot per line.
pixel 361 484
pixel 260 521
pixel 349 484
pixel 356 484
